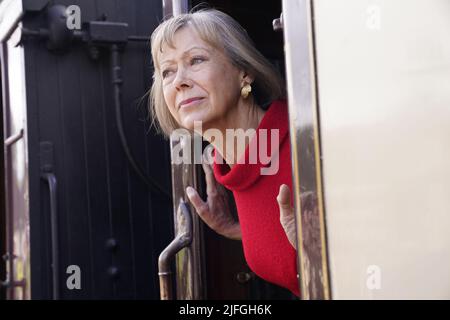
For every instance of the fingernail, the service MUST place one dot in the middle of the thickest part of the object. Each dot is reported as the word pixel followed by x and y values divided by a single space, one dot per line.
pixel 189 191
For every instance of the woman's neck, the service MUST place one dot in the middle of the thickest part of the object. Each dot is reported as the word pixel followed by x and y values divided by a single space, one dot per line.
pixel 235 133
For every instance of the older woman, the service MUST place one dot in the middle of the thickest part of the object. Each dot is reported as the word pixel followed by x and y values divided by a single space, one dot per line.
pixel 208 71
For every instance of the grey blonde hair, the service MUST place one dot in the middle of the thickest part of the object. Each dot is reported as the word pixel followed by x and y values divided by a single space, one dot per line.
pixel 221 32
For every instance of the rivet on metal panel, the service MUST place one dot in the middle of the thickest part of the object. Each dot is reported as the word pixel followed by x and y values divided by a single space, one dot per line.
pixel 244 277
pixel 112 244
pixel 113 272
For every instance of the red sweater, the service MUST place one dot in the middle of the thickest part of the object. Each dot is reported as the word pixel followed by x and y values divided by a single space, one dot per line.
pixel 266 247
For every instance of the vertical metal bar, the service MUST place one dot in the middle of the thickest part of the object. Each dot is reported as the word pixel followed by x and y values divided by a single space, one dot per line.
pixel 47 174
pixel 7 170
pixel 172 8
pixel 50 179
pixel 189 263
pixel 11 17
pixel 305 142
pixel 167 8
pixel 179 7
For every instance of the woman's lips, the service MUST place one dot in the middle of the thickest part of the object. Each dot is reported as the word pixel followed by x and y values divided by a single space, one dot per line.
pixel 190 102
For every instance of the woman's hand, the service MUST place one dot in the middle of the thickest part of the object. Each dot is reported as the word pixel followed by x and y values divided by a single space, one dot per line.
pixel 215 212
pixel 287 218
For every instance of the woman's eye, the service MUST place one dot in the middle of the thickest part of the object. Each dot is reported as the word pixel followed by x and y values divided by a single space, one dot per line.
pixel 197 60
pixel 165 73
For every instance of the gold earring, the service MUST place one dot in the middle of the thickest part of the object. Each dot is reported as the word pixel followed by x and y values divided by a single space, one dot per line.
pixel 245 91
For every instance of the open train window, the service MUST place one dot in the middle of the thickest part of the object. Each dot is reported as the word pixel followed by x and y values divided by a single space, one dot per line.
pixel 225 273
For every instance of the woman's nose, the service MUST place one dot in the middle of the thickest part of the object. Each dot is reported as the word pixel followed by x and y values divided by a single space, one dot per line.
pixel 182 80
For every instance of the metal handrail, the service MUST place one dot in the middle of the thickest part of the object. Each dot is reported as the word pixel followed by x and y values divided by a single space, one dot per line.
pixel 14 138
pixel 182 240
pixel 50 178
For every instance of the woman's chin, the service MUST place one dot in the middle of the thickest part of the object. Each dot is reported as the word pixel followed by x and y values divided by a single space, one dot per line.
pixel 193 123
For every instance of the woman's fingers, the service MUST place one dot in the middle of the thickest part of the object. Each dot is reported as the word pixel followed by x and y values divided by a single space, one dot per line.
pixel 284 200
pixel 215 214
pixel 200 206
pixel 211 188
pixel 213 221
pixel 287 218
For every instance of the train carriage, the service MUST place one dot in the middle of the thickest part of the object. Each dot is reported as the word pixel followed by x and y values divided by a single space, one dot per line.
pixel 94 207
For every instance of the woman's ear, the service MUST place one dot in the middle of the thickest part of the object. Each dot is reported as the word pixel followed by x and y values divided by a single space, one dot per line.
pixel 246 77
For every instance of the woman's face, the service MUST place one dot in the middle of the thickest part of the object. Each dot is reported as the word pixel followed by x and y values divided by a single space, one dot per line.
pixel 199 82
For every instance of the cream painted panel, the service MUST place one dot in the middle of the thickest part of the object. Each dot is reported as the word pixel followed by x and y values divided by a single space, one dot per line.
pixel 384 95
